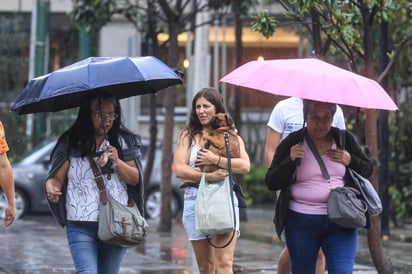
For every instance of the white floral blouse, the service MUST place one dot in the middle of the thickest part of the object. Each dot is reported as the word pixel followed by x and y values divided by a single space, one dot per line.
pixel 82 201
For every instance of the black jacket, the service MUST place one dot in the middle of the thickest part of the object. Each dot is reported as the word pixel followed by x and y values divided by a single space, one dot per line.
pixel 281 173
pixel 61 153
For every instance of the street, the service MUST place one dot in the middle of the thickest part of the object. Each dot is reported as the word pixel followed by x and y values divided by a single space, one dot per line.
pixel 37 245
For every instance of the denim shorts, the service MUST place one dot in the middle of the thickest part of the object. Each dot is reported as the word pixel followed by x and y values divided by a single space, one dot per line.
pixel 188 217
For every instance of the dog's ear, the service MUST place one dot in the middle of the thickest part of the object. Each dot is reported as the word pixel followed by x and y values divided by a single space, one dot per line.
pixel 229 120
pixel 214 122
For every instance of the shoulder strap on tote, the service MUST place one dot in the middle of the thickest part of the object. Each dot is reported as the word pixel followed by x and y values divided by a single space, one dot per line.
pixel 229 169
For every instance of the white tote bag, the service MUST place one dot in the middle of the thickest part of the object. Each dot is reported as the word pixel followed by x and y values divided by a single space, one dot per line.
pixel 214 210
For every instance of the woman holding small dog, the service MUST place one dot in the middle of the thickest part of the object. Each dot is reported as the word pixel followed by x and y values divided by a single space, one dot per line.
pixel 189 156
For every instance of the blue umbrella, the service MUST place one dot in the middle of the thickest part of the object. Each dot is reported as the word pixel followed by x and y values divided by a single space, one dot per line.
pixel 121 76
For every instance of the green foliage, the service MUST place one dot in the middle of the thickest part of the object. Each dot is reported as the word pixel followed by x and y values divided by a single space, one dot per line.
pixel 400 163
pixel 264 24
pixel 255 189
pixel 242 8
pixel 400 205
pixel 92 15
pixel 342 24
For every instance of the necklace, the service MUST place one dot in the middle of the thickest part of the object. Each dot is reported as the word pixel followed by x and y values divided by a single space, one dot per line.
pixel 323 143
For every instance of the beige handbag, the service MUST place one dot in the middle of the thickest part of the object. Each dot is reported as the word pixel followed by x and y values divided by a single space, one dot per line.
pixel 119 224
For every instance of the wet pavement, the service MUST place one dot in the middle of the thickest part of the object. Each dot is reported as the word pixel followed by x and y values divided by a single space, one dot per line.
pixel 37 245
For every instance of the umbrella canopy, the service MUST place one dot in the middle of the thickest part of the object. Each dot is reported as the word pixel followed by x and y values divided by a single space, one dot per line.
pixel 313 79
pixel 121 76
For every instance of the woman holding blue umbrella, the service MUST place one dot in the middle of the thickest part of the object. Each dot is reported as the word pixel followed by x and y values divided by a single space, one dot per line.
pixel 71 187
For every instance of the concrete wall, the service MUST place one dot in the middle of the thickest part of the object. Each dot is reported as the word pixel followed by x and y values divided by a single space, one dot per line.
pixel 27 5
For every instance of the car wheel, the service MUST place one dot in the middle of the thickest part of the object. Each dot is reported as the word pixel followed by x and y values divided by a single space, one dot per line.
pixel 22 204
pixel 152 204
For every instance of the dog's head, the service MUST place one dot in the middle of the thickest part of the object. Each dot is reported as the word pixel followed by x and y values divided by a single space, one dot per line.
pixel 221 120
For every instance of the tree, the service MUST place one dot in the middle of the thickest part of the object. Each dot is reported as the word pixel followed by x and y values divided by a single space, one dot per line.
pixel 398 185
pixel 240 9
pixel 349 28
pixel 150 33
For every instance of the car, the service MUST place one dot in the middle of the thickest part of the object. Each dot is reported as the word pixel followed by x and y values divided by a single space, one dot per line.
pixel 31 171
pixel 153 195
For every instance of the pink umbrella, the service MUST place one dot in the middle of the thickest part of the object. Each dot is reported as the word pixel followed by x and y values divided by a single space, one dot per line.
pixel 311 78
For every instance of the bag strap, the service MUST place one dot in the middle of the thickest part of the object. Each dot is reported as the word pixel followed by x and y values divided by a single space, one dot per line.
pixel 99 179
pixel 315 152
pixel 229 168
pixel 342 138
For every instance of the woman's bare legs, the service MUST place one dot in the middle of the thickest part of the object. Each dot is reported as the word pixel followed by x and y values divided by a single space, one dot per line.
pixel 210 259
pixel 204 256
pixel 224 256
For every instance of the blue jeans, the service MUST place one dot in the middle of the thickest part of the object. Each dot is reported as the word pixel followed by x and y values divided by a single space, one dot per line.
pixel 306 233
pixel 89 253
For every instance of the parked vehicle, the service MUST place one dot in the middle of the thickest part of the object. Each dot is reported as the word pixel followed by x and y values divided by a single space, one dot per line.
pixel 31 171
pixel 153 195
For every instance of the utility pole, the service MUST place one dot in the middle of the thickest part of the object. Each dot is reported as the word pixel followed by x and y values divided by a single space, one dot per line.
pixel 36 124
pixel 85 44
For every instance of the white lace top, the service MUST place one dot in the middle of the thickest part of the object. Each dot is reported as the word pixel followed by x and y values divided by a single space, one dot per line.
pixel 193 154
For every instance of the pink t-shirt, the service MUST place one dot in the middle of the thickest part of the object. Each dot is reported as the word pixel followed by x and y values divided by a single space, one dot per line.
pixel 310 192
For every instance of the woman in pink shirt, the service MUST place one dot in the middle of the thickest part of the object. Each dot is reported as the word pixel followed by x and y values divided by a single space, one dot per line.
pixel 302 205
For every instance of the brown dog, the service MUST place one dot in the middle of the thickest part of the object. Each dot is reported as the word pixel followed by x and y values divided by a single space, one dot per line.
pixel 215 139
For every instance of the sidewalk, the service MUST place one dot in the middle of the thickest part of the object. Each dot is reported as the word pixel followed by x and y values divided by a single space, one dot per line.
pixel 37 245
pixel 398 248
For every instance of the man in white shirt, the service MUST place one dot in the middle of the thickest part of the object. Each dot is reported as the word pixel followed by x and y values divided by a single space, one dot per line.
pixel 287 117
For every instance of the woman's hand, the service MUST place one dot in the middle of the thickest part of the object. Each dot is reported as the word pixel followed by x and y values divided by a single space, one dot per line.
pixel 54 184
pixel 340 156
pixel 217 175
pixel 53 189
pixel 296 151
pixel 113 154
pixel 206 157
pixel 10 213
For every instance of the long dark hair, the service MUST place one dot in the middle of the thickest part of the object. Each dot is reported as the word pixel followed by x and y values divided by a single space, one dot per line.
pixel 194 126
pixel 81 134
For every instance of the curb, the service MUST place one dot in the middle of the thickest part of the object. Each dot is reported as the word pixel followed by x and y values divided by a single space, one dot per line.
pixel 395 236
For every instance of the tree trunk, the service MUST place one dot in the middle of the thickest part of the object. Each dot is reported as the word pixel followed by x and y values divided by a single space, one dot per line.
pixel 383 142
pixel 165 224
pixel 381 262
pixel 152 49
pixel 150 157
pixel 317 44
pixel 234 106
